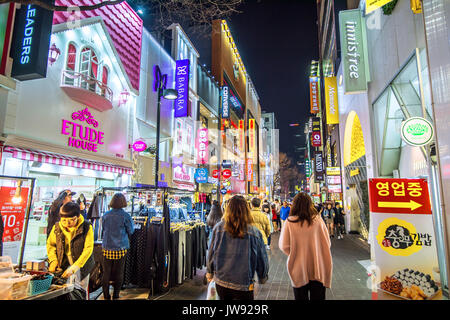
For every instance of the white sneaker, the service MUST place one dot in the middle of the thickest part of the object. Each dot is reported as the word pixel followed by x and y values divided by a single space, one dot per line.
pixel 267 247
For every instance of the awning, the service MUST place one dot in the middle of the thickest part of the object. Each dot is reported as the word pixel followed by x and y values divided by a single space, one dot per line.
pixel 58 159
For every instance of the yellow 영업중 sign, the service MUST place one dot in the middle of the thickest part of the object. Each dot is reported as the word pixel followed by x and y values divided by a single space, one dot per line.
pixel 397 237
pixel 331 100
pixel 372 5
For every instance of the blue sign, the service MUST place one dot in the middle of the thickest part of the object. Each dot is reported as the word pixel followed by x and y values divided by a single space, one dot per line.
pixel 201 175
pixel 182 86
pixel 223 191
pixel 225 106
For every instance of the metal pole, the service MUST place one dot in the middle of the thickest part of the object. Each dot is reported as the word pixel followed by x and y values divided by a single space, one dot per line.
pixel 158 124
pixel 25 228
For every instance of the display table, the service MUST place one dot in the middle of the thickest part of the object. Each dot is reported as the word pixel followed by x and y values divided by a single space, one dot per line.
pixel 54 292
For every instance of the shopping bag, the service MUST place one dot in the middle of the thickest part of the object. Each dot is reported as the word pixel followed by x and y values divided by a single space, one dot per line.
pixel 212 292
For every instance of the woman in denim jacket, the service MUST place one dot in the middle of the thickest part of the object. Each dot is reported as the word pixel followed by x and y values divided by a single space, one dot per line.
pixel 237 252
pixel 117 228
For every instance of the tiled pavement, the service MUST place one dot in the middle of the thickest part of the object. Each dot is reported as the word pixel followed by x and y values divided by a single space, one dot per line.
pixel 348 283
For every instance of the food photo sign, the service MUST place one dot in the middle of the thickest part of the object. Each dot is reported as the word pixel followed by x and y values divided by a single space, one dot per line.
pixel 404 243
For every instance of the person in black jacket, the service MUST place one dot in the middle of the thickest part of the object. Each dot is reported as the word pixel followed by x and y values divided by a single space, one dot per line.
pixel 215 215
pixel 64 197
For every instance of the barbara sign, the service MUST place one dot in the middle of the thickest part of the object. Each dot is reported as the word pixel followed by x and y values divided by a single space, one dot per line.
pixel 82 136
pixel 31 42
pixel 182 86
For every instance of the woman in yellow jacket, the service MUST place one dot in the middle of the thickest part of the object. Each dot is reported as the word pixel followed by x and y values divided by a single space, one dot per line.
pixel 70 246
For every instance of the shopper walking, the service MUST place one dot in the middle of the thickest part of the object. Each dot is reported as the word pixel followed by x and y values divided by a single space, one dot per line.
pixel 277 208
pixel 64 197
pixel 260 220
pixel 117 228
pixel 83 205
pixel 266 210
pixel 69 248
pixel 215 214
pixel 275 218
pixel 339 221
pixel 328 216
pixel 284 213
pixel 237 253
pixel 304 238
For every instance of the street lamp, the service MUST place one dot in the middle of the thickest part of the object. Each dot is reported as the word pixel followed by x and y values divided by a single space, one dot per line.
pixel 169 94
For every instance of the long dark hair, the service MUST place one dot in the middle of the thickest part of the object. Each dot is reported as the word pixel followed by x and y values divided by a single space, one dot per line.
pixel 57 203
pixel 303 209
pixel 237 217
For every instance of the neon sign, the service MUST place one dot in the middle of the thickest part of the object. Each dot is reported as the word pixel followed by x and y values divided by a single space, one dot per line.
pixel 82 137
pixel 202 145
pixel 225 106
pixel 182 86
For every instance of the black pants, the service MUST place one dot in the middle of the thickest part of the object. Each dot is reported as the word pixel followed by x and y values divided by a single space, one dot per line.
pixel 113 270
pixel 315 289
pixel 230 294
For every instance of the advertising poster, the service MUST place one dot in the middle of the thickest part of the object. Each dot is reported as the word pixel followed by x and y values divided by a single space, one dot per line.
pixel 404 240
pixel 13 216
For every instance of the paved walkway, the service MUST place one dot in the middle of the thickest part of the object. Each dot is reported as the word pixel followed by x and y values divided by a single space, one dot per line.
pixel 349 276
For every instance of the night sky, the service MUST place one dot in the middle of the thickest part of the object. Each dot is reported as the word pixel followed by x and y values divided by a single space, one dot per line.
pixel 277 39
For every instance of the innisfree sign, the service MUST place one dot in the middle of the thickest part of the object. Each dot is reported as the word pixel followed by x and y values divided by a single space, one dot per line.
pixel 417 131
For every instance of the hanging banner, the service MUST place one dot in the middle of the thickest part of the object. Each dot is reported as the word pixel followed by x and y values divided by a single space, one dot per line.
pixel 31 42
pixel 182 87
pixel 314 94
pixel 201 146
pixel 404 240
pixel 318 166
pixel 242 135
pixel 354 51
pixel 331 100
pixel 13 215
pixel 249 169
pixel 372 5
pixel 252 136
pixel 316 139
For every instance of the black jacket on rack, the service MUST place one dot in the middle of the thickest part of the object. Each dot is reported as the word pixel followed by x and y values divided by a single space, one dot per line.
pixel 94 208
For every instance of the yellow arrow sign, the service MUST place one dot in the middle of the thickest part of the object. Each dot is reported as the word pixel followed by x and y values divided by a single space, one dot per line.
pixel 411 205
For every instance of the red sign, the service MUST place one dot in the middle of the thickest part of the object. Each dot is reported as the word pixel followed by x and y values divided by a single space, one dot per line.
pixel 13 212
pixel 215 173
pixel 399 196
pixel 226 173
pixel 316 139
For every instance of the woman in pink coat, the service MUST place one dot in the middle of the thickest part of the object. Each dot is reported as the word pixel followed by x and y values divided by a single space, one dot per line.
pixel 306 241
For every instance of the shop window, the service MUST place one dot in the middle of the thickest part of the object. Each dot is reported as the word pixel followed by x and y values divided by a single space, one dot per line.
pixel 105 74
pixel 400 101
pixel 69 77
pixel 88 69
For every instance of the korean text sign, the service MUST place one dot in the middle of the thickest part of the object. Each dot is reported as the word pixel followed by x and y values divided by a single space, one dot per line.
pixel 314 94
pixel 182 87
pixel 13 215
pixel 202 145
pixel 402 232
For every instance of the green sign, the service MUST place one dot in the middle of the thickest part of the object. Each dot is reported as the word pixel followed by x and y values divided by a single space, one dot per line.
pixel 417 131
pixel 4 9
pixel 354 51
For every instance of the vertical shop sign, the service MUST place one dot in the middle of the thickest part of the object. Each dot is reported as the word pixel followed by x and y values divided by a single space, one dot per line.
pixel 31 42
pixel 225 105
pixel 308 168
pixel 13 215
pixel 6 19
pixel 178 138
pixel 182 86
pixel 331 100
pixel 241 135
pixel 249 169
pixel 251 136
pixel 318 166
pixel 354 51
pixel 202 146
pixel 404 239
pixel 314 93
pixel 316 135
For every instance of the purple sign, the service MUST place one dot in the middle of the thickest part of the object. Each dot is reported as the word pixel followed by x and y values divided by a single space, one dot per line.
pixel 182 86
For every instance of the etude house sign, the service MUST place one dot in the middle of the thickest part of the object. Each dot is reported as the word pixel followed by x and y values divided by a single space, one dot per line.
pixel 354 55
pixel 81 135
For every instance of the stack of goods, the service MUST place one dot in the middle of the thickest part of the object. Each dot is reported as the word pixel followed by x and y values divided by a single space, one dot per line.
pixel 13 286
pixel 410 284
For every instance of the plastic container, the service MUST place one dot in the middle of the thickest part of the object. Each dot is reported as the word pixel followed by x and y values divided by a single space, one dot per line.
pixel 13 286
pixel 40 286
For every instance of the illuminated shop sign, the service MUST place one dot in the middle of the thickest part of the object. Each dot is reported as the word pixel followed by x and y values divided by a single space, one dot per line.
pixel 31 42
pixel 139 146
pixel 316 139
pixel 314 94
pixel 225 106
pixel 251 136
pixel 318 166
pixel 354 51
pixel 182 86
pixel 80 136
pixel 331 100
pixel 241 136
pixel 249 169
pixel 202 145
pixel 201 175
pixel 230 98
